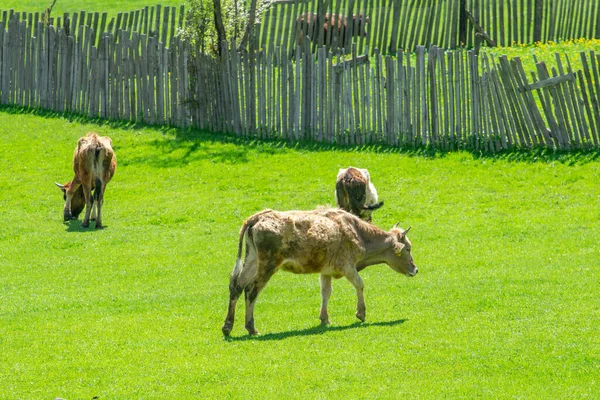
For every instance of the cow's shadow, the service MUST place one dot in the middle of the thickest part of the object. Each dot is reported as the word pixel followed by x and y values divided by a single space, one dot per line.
pixel 316 330
pixel 74 225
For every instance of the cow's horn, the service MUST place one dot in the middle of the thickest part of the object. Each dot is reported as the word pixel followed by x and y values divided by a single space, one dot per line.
pixel 59 185
pixel 406 231
pixel 396 225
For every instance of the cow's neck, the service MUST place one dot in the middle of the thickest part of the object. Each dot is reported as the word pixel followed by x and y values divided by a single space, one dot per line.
pixel 377 244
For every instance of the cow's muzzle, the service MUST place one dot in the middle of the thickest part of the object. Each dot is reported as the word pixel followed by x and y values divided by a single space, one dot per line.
pixel 67 216
pixel 413 273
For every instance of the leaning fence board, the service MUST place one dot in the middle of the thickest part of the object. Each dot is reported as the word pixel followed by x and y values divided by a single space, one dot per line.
pixel 539 134
pixel 575 103
pixel 552 99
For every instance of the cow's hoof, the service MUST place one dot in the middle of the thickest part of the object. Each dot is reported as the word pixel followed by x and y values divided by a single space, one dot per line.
pixel 360 316
pixel 226 330
pixel 253 332
pixel 85 224
pixel 99 226
pixel 325 322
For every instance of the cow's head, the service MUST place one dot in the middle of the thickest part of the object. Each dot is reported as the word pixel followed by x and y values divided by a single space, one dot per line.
pixel 402 259
pixel 77 202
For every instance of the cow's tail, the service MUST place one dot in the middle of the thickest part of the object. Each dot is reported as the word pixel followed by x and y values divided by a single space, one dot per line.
pixel 237 269
pixel 248 224
pixel 99 155
pixel 341 189
pixel 98 189
pixel 374 206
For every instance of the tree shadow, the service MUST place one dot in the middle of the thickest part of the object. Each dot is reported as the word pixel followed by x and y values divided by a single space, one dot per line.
pixel 184 145
pixel 316 330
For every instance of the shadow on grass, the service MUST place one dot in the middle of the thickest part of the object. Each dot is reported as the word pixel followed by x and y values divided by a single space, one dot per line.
pixel 317 330
pixel 74 225
pixel 183 145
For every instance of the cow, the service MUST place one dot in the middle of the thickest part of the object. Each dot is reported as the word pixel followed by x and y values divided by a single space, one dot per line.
pixel 328 241
pixel 94 164
pixel 355 193
pixel 336 24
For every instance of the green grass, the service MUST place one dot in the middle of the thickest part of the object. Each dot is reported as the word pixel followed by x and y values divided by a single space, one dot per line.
pixel 569 52
pixel 505 304
pixel 112 7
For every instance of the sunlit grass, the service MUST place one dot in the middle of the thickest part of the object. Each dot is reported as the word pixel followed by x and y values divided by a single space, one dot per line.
pixel 112 7
pixel 505 304
pixel 546 52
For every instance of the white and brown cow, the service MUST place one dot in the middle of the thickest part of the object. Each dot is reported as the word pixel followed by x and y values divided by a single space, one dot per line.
pixel 355 193
pixel 94 163
pixel 331 242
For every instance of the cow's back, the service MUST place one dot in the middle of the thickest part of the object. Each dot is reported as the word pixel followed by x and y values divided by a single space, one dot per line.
pixel 351 183
pixel 94 158
pixel 304 241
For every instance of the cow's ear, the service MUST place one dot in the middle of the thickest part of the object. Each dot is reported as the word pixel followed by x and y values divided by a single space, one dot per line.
pixel 398 247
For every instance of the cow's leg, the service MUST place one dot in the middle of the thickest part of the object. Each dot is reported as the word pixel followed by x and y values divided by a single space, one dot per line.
pixel 326 289
pixel 265 272
pixel 358 283
pixel 234 294
pixel 87 193
pixel 237 284
pixel 99 194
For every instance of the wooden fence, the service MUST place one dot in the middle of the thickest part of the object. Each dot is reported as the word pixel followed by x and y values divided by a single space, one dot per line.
pixel 405 24
pixel 158 21
pixel 444 99
pixel 393 24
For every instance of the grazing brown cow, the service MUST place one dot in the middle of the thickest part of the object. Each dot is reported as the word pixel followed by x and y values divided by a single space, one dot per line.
pixel 336 24
pixel 94 163
pixel 355 193
pixel 331 242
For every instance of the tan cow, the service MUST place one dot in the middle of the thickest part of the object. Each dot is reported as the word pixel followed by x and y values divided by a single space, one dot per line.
pixel 331 242
pixel 94 163
pixel 355 193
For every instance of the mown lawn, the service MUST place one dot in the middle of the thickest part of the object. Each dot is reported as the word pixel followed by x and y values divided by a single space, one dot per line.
pixel 505 304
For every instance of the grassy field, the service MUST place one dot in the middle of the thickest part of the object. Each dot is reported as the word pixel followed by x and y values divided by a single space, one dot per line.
pixel 112 7
pixel 505 304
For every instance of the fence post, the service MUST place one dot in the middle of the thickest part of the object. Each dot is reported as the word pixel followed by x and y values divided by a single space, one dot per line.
pixel 538 20
pixel 462 27
pixel 598 24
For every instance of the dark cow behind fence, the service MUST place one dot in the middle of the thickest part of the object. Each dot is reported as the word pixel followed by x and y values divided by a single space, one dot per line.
pixel 335 28
pixel 331 242
pixel 94 164
pixel 355 193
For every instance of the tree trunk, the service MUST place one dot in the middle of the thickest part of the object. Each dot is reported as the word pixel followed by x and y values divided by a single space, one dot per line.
pixel 221 35
pixel 249 33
